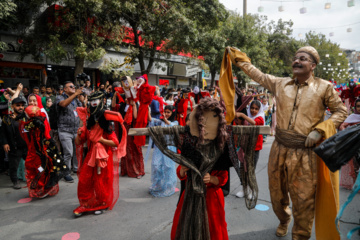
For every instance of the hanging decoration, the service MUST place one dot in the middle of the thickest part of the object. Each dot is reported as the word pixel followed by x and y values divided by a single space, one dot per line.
pixel 351 3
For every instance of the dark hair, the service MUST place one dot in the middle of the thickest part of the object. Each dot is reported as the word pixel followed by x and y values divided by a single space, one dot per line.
pixel 48 86
pixel 26 88
pixel 173 112
pixel 356 101
pixel 36 87
pixel 256 102
pixel 169 95
pixel 67 82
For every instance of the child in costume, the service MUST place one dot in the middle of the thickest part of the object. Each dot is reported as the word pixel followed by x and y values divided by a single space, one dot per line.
pixel 98 187
pixel 207 151
pixel 163 172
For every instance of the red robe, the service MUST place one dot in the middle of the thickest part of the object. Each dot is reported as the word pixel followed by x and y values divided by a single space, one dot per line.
pixel 97 191
pixel 351 94
pixel 197 96
pixel 182 108
pixel 133 163
pixel 215 207
pixel 145 95
pixel 32 164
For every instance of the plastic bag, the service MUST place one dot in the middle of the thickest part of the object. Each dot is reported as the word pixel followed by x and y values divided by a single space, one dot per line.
pixel 337 150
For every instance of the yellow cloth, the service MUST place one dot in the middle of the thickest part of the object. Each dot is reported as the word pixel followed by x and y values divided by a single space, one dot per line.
pixel 226 82
pixel 204 83
pixel 327 193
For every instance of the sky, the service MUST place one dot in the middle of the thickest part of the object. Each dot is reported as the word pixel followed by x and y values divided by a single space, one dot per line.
pixel 337 19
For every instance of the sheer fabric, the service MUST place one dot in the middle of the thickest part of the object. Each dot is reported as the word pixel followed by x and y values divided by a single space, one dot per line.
pixel 193 220
pixel 163 172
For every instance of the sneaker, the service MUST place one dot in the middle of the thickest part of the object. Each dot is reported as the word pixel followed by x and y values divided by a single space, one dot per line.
pixel 68 179
pixel 98 212
pixel 240 194
pixel 17 185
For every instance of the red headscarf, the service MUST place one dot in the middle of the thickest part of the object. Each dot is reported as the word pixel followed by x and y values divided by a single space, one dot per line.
pixel 43 114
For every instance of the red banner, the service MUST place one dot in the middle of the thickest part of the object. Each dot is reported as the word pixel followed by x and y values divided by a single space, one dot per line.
pixel 163 82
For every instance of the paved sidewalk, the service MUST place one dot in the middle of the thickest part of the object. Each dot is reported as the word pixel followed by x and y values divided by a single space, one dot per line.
pixel 137 215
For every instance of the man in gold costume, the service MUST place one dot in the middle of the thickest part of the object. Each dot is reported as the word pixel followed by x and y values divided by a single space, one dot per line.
pixel 293 167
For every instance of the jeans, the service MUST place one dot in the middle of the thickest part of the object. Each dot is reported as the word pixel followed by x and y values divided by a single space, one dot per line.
pixel 14 160
pixel 68 144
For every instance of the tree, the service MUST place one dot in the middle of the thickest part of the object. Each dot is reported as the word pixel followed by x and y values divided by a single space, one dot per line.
pixel 85 27
pixel 160 28
pixel 281 47
pixel 333 63
pixel 249 34
pixel 7 8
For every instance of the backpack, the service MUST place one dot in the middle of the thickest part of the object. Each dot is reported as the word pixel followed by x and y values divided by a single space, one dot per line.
pixel 53 116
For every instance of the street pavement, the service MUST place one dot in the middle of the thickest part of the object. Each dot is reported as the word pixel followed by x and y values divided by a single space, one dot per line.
pixel 137 215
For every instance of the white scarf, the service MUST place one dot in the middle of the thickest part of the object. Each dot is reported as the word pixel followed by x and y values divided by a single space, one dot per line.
pixel 265 107
pixel 353 118
pixel 259 114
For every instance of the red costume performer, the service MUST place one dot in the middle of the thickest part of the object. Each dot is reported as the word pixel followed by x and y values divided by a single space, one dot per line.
pixel 145 95
pixel 198 94
pixel 44 165
pixel 351 93
pixel 98 187
pixel 182 107
pixel 132 164
pixel 214 204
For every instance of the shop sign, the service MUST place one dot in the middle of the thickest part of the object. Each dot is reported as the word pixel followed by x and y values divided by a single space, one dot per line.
pixel 192 70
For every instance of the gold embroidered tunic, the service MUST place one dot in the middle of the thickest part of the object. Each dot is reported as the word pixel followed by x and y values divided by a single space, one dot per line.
pixel 301 108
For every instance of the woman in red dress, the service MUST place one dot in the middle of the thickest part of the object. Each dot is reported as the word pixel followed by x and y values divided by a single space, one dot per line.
pixel 98 187
pixel 44 164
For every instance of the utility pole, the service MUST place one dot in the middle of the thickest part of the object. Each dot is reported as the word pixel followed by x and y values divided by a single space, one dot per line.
pixel 244 7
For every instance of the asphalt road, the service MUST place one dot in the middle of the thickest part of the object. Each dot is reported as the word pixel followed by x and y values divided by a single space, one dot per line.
pixel 137 215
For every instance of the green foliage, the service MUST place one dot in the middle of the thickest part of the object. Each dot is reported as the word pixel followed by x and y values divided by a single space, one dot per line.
pixel 7 8
pixel 175 25
pixel 117 69
pixel 85 28
pixel 337 62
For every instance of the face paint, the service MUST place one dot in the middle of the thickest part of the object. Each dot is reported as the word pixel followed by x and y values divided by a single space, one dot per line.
pixel 95 103
pixel 140 82
pixel 126 83
pixel 196 90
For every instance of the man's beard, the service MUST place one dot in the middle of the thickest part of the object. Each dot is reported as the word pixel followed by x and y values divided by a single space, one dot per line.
pixel 18 112
pixel 49 93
